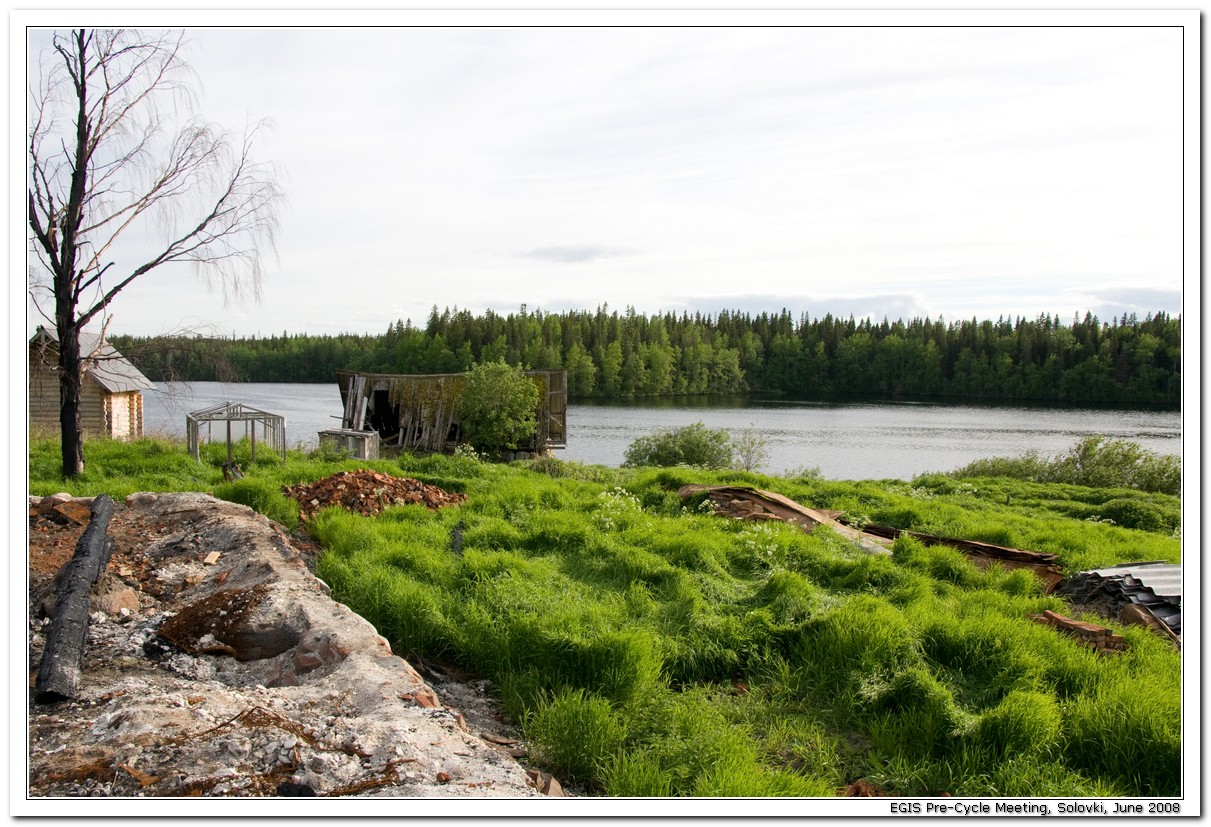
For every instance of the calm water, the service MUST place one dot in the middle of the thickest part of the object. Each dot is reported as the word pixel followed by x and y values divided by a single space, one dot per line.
pixel 845 441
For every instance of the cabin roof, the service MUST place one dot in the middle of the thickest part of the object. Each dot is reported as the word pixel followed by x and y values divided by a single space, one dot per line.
pixel 108 368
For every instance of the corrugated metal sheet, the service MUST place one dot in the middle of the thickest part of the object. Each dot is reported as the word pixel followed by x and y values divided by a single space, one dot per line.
pixel 1164 579
pixel 1156 586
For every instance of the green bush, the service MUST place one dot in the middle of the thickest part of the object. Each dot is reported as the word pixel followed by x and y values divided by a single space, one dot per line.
pixel 497 407
pixel 695 445
pixel 1139 514
pixel 1094 461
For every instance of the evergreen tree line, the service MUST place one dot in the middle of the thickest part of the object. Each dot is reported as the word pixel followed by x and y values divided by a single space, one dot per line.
pixel 608 354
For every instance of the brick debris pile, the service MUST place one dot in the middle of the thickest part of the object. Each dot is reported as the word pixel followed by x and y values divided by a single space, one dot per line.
pixel 1098 638
pixel 368 493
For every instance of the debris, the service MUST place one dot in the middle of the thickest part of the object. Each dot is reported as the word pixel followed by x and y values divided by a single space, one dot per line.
pixel 73 511
pixel 212 558
pixel 1098 638
pixel 1044 564
pixel 143 778
pixel 1154 587
pixel 743 503
pixel 367 492
pixel 861 788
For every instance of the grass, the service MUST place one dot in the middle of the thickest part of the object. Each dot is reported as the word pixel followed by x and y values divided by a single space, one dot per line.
pixel 649 649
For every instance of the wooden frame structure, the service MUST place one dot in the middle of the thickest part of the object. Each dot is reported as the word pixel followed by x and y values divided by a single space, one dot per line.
pixel 273 427
pixel 417 412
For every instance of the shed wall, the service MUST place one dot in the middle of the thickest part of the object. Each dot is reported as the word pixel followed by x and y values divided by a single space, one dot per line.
pixel 118 415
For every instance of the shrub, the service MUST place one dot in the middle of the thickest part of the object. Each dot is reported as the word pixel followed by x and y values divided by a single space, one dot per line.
pixel 1094 461
pixel 497 407
pixel 751 449
pixel 694 444
pixel 1139 514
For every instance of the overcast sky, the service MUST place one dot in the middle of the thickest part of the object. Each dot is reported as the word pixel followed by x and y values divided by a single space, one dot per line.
pixel 895 171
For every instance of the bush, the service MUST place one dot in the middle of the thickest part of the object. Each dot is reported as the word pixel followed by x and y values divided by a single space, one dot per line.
pixel 497 407
pixel 1095 462
pixel 751 449
pixel 695 445
pixel 1140 514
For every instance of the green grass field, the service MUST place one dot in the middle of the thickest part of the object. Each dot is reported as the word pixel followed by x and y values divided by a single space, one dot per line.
pixel 650 649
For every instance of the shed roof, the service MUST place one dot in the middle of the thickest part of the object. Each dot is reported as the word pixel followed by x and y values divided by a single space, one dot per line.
pixel 108 368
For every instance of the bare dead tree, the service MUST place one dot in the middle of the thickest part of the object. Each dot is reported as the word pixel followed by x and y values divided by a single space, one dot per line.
pixel 106 163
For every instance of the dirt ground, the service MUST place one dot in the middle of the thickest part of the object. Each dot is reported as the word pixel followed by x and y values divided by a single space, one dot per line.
pixel 320 708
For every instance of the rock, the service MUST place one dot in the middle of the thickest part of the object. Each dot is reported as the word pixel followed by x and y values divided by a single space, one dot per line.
pixel 545 783
pixel 74 511
pixel 114 599
pixel 308 695
pixel 46 505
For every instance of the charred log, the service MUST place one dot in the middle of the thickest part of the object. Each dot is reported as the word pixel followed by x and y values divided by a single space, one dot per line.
pixel 59 673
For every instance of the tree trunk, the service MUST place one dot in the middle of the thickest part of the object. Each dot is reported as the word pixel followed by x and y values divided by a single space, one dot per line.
pixel 59 672
pixel 67 326
pixel 70 381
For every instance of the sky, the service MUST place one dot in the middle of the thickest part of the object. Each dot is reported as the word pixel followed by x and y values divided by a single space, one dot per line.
pixel 896 171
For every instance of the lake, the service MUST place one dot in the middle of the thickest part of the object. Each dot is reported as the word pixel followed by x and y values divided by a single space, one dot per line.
pixel 867 440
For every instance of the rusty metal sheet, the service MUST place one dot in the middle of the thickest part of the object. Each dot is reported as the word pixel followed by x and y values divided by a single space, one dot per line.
pixel 742 502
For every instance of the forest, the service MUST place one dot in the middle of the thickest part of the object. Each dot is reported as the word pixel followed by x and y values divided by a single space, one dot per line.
pixel 1126 361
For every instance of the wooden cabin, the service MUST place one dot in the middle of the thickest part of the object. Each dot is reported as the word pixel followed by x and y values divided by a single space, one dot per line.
pixel 111 398
pixel 417 412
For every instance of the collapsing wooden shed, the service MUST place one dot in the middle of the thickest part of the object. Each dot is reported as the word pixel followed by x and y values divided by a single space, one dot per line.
pixel 111 398
pixel 418 412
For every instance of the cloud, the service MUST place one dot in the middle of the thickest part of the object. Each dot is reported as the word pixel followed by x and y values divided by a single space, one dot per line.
pixel 1112 302
pixel 576 253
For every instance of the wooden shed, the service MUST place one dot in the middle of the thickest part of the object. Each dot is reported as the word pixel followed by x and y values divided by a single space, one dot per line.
pixel 417 412
pixel 111 398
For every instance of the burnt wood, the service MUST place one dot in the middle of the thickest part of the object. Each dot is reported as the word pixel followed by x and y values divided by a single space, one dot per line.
pixel 59 673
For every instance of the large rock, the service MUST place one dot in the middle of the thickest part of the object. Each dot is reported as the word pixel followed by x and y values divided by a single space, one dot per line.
pixel 244 678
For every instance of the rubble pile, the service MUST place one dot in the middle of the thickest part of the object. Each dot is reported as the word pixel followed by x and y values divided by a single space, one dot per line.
pixel 368 493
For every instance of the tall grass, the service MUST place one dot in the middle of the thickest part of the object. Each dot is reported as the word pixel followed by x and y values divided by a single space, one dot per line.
pixel 647 648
